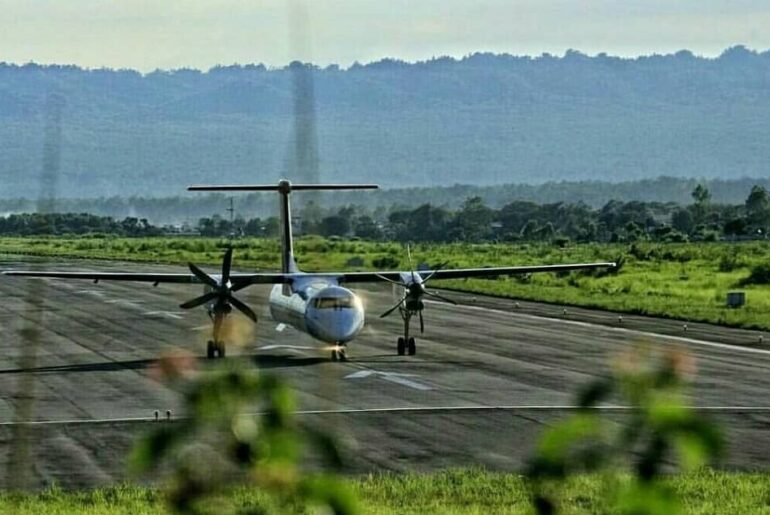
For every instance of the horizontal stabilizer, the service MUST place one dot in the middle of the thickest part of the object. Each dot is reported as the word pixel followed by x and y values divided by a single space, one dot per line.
pixel 283 186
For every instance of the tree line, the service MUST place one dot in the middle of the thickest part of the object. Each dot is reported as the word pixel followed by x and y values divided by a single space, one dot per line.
pixel 474 221
pixel 57 224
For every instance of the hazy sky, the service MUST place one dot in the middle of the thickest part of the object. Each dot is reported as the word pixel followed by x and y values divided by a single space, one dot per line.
pixel 150 34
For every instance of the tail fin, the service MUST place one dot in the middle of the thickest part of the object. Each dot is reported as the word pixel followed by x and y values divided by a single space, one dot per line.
pixel 284 188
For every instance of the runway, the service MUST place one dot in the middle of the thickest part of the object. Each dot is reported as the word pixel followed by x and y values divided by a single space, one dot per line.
pixel 94 390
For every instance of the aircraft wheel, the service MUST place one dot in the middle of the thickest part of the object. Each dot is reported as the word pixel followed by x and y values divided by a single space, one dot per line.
pixel 342 353
pixel 335 355
pixel 221 349
pixel 401 347
pixel 412 346
pixel 210 354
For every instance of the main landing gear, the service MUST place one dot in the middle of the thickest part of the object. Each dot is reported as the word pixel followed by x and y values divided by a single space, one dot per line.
pixel 339 353
pixel 406 344
pixel 215 349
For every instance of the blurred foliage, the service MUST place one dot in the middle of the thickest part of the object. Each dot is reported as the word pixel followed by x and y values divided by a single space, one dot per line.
pixel 629 456
pixel 222 443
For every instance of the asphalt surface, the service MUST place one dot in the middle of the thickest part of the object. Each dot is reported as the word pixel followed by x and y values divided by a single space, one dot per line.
pixel 98 344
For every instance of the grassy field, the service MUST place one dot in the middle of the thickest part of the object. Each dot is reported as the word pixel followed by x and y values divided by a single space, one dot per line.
pixel 450 492
pixel 686 281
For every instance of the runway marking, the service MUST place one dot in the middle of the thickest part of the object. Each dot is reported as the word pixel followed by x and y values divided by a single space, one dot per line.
pixel 124 302
pixel 407 409
pixel 95 293
pixel 725 346
pixel 169 314
pixel 393 377
pixel 290 347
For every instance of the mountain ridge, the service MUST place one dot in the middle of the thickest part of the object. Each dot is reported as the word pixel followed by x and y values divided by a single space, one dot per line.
pixel 484 119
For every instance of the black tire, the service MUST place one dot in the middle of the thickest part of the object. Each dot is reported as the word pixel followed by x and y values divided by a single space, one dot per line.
pixel 412 347
pixel 335 356
pixel 401 346
pixel 221 349
pixel 210 350
pixel 343 354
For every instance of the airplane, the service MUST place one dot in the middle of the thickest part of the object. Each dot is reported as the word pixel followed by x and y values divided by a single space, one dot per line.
pixel 316 303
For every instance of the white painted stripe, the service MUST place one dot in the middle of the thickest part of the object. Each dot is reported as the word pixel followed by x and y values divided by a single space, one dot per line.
pixel 724 346
pixel 169 314
pixel 409 409
pixel 393 378
pixel 290 347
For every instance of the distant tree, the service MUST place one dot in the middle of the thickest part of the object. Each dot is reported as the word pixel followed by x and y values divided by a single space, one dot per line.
pixel 530 230
pixel 546 232
pixel 365 227
pixel 473 222
pixel 758 208
pixel 735 227
pixel 254 227
pixel 634 232
pixel 310 218
pixel 271 227
pixel 701 196
pixel 683 220
pixel 334 225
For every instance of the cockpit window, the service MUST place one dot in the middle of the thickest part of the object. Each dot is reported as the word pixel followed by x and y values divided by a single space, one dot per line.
pixel 334 302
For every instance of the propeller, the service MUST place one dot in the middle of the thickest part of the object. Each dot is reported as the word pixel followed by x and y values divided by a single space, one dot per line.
pixel 414 291
pixel 221 290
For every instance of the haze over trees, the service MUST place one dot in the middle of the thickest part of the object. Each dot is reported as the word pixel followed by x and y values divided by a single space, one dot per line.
pixel 473 222
pixel 483 120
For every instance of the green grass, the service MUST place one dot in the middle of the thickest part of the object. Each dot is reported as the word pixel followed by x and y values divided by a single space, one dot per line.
pixel 686 281
pixel 448 492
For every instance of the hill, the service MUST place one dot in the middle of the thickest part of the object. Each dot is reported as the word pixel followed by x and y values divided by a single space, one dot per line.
pixel 483 120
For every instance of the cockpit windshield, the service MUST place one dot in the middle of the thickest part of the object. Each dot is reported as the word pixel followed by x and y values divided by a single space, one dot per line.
pixel 333 302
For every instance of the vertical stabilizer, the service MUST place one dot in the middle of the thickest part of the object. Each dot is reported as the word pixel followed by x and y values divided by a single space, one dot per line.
pixel 284 189
pixel 288 264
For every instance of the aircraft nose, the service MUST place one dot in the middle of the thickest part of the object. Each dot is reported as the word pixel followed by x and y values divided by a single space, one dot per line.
pixel 346 332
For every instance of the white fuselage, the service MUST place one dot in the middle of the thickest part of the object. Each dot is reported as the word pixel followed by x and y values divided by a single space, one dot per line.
pixel 319 307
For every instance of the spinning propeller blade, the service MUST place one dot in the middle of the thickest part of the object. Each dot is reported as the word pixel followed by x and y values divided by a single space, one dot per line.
pixel 440 297
pixel 391 281
pixel 199 300
pixel 438 268
pixel 243 308
pixel 227 263
pixel 222 290
pixel 203 276
pixel 391 310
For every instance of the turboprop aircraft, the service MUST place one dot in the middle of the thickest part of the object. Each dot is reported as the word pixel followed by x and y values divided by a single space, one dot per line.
pixel 316 303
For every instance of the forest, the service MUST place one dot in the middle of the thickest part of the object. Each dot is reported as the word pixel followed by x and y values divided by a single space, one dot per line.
pixel 472 222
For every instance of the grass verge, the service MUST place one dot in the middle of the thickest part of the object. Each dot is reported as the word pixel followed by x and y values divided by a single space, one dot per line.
pixel 685 281
pixel 448 492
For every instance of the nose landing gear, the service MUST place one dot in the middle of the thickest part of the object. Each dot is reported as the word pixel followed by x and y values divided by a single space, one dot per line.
pixel 339 353
pixel 215 348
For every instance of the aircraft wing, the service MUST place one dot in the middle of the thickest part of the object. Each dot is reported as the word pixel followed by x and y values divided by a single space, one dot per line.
pixel 237 279
pixel 243 280
pixel 460 273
